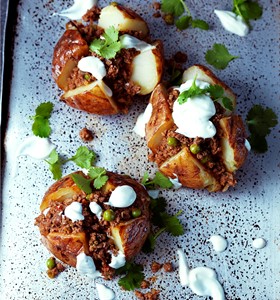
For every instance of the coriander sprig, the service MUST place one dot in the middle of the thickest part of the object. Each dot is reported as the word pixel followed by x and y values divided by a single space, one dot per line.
pixel 41 125
pixel 133 276
pixel 108 45
pixel 179 10
pixel 159 180
pixel 247 9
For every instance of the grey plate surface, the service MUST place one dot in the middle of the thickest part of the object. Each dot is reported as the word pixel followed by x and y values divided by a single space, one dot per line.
pixel 245 212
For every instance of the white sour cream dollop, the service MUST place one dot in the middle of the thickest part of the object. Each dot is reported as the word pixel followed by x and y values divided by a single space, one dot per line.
pixel 219 243
pixel 247 145
pixel 202 281
pixel 78 9
pixel 232 22
pixel 142 120
pixel 35 147
pixel 104 293
pixel 117 261
pixel 192 117
pixel 259 243
pixel 122 196
pixel 96 67
pixel 128 41
pixel 74 212
pixel 96 209
pixel 85 266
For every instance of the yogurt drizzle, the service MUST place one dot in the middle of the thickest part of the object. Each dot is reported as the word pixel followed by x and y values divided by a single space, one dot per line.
pixel 85 265
pixel 202 281
pixel 117 261
pixel 232 22
pixel 142 120
pixel 104 293
pixel 74 211
pixel 78 9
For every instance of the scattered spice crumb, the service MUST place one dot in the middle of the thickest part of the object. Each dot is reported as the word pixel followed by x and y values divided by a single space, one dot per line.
pixel 155 266
pixel 145 284
pixel 86 135
pixel 152 295
pixel 168 267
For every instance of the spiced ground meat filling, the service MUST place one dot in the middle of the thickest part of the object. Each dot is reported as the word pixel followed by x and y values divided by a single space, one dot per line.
pixel 209 149
pixel 98 233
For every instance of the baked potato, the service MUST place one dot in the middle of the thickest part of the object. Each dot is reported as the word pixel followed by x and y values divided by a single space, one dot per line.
pixel 93 234
pixel 198 162
pixel 132 71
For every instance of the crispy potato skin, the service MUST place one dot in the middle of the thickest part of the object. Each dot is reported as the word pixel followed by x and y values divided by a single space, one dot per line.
pixel 190 172
pixel 131 234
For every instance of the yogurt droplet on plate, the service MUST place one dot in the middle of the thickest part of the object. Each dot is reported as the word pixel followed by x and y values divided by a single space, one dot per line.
pixel 219 243
pixel 232 22
pixel 142 120
pixel 122 196
pixel 35 147
pixel 128 41
pixel 193 116
pixel 78 9
pixel 96 209
pixel 117 261
pixel 74 211
pixel 202 281
pixel 104 293
pixel 259 243
pixel 85 265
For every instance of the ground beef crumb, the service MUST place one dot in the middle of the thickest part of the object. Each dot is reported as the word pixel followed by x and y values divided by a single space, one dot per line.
pixel 86 135
pixel 157 15
pixel 152 295
pixel 156 5
pixel 155 267
pixel 180 57
pixel 92 14
pixel 52 273
pixel 139 295
pixel 145 284
pixel 168 267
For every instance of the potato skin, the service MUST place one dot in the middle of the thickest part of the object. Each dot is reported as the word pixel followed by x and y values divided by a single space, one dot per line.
pixel 184 165
pixel 132 233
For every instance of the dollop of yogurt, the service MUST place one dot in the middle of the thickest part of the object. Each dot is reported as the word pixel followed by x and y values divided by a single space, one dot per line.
pixel 35 147
pixel 78 9
pixel 104 293
pixel 247 145
pixel 117 261
pixel 176 183
pixel 74 211
pixel 122 196
pixel 96 67
pixel 232 22
pixel 85 265
pixel 142 120
pixel 259 243
pixel 153 193
pixel 96 209
pixel 219 243
pixel 193 117
pixel 202 281
pixel 127 41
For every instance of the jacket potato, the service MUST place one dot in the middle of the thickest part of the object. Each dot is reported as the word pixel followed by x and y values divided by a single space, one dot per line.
pixel 197 162
pixel 93 234
pixel 132 71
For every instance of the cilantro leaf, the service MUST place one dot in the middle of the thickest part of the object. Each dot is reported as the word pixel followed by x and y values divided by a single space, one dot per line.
pixel 174 7
pixel 109 46
pixel 145 178
pixel 54 164
pixel 41 125
pixel 193 91
pixel 172 223
pixel 260 120
pixel 83 157
pixel 215 91
pixel 133 278
pixel 83 183
pixel 183 22
pixel 99 176
pixel 248 10
pixel 199 24
pixel 159 180
pixel 219 57
pixel 227 103
pixel 258 143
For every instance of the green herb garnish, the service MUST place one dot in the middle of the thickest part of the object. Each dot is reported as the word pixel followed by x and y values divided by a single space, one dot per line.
pixel 109 46
pixel 133 278
pixel 260 121
pixel 177 9
pixel 248 10
pixel 83 183
pixel 54 164
pixel 219 57
pixel 83 157
pixel 159 180
pixel 99 176
pixel 41 125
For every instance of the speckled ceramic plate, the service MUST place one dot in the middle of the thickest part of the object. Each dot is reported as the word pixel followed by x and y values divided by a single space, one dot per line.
pixel 243 213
